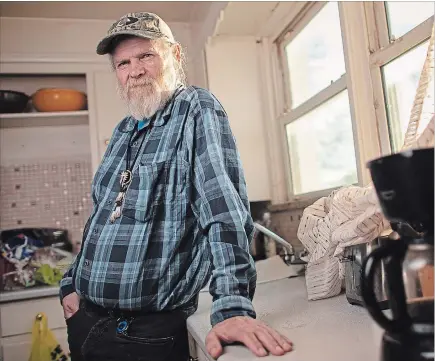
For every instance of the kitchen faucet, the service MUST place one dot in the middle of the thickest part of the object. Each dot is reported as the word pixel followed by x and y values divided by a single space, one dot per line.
pixel 289 253
pixel 287 246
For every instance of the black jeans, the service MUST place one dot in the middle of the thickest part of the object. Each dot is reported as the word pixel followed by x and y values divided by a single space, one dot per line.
pixel 93 336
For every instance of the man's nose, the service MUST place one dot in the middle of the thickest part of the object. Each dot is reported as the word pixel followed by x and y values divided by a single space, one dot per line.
pixel 137 69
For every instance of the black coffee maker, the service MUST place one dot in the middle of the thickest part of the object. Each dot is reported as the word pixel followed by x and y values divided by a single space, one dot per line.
pixel 404 183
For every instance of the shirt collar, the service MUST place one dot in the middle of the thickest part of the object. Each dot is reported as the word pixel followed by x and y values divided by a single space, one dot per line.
pixel 161 117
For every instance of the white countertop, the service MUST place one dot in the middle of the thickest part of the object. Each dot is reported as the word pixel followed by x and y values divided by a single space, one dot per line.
pixel 29 293
pixel 323 330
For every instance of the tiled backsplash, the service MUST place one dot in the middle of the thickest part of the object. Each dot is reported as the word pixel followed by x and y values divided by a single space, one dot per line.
pixel 57 194
pixel 46 194
pixel 286 218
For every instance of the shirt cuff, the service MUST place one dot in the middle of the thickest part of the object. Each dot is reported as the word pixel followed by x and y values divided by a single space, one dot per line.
pixel 231 306
pixel 66 288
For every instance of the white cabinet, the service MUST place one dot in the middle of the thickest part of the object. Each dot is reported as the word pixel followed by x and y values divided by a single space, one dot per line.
pixel 17 348
pixel 16 322
pixel 45 157
pixel 108 107
pixel 17 317
pixel 202 356
pixel 95 125
pixel 196 352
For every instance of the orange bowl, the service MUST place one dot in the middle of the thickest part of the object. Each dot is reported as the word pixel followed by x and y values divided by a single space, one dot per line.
pixel 58 100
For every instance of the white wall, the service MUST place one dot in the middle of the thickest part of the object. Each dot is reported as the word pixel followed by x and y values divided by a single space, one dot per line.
pixel 201 31
pixel 61 40
pixel 232 68
pixel 68 39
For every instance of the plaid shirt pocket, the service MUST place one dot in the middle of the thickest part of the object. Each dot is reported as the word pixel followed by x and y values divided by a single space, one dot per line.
pixel 144 191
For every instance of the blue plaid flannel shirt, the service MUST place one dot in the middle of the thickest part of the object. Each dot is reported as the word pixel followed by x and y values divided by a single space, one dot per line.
pixel 185 221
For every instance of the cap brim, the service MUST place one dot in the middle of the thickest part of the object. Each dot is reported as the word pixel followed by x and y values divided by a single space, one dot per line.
pixel 105 45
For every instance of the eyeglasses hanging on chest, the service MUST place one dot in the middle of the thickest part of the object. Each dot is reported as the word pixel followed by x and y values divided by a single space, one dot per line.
pixel 126 176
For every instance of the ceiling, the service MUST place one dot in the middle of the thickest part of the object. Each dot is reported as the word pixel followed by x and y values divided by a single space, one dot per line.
pixel 170 11
pixel 243 18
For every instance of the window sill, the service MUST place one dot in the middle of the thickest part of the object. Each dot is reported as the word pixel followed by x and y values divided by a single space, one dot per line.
pixel 303 200
pixel 292 205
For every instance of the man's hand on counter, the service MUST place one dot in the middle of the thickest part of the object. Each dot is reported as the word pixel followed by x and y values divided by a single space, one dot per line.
pixel 256 335
pixel 70 304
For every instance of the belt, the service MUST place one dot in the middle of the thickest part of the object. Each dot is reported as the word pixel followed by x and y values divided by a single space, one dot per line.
pixel 113 312
pixel 118 313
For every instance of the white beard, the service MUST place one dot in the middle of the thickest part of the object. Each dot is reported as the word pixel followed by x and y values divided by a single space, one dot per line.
pixel 145 96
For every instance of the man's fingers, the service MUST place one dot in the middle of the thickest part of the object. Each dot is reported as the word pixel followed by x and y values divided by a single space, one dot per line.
pixel 255 335
pixel 251 341
pixel 283 341
pixel 71 308
pixel 269 342
pixel 68 313
pixel 213 345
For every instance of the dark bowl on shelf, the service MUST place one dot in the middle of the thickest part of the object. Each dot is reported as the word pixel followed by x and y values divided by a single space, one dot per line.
pixel 12 101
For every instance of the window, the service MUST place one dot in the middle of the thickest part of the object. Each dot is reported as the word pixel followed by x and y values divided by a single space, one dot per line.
pixel 317 122
pixel 315 58
pixel 322 61
pixel 322 139
pixel 405 16
pixel 399 63
pixel 401 78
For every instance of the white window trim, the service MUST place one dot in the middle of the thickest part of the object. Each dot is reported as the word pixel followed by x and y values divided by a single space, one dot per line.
pixel 384 51
pixel 276 165
pixel 369 118
pixel 320 98
pixel 354 27
pixel 284 114
pixel 400 46
pixel 292 30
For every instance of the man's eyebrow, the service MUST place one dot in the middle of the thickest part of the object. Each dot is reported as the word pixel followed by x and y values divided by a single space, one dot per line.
pixel 150 50
pixel 153 50
pixel 142 53
pixel 121 61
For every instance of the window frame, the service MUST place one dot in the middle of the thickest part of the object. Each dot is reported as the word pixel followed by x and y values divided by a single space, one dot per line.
pixel 285 113
pixel 383 52
pixel 367 47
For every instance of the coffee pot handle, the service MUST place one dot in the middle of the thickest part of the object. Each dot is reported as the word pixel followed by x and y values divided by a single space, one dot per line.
pixel 393 254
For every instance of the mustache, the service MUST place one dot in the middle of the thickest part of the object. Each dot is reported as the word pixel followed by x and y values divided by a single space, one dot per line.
pixel 137 83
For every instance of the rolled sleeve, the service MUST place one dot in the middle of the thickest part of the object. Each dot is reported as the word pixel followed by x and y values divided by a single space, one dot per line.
pixel 66 284
pixel 222 205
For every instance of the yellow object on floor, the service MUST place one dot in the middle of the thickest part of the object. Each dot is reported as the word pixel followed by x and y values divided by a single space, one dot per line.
pixel 44 345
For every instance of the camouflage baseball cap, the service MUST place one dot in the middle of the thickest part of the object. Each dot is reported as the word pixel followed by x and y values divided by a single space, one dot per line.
pixel 142 24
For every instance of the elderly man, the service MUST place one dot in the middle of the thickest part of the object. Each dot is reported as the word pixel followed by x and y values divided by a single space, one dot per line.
pixel 170 212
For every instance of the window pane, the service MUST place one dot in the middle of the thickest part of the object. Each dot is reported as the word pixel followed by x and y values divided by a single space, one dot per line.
pixel 321 147
pixel 405 16
pixel 401 78
pixel 315 56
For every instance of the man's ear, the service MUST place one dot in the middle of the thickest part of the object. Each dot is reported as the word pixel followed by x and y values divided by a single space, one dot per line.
pixel 177 52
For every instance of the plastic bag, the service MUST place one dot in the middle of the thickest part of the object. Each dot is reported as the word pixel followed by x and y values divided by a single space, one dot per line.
pixel 48 275
pixel 44 345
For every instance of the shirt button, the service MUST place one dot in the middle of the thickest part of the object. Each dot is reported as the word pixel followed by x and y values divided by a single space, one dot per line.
pixel 95 230
pixel 135 143
pixel 109 202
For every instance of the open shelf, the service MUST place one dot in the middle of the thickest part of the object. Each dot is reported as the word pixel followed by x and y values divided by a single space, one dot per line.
pixel 79 113
pixel 35 119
